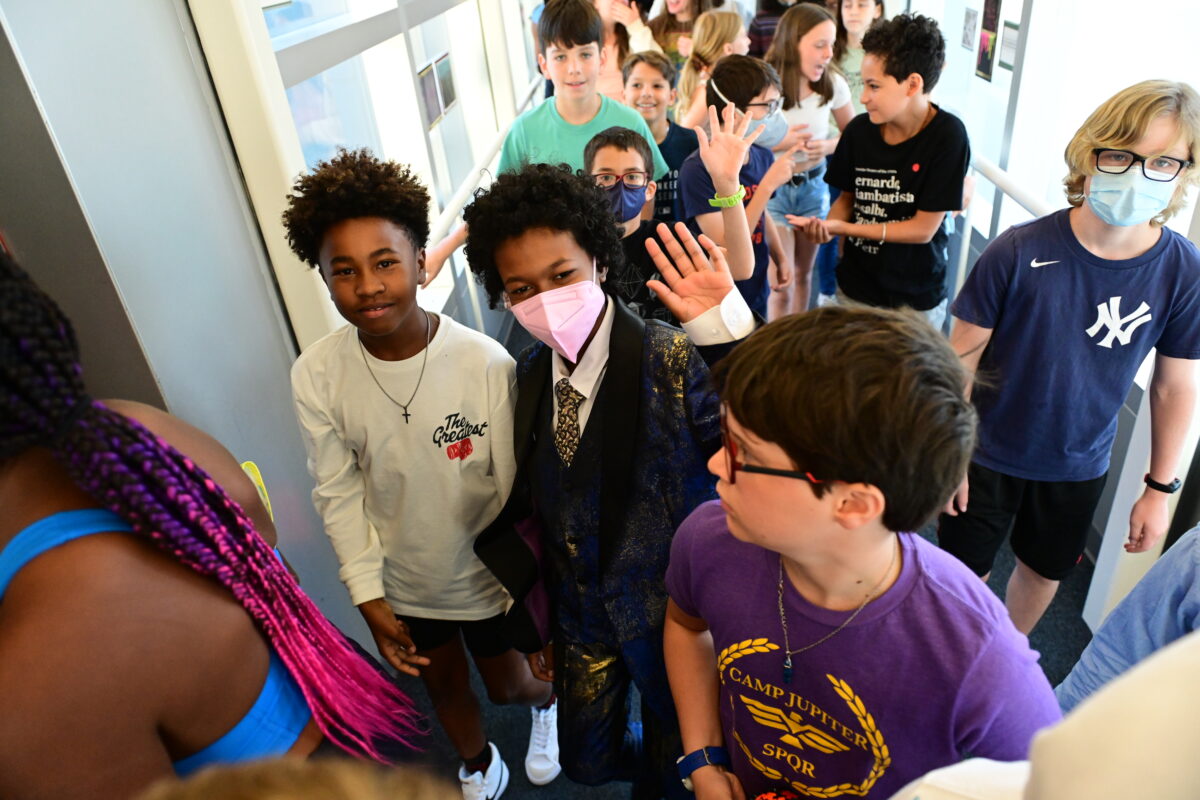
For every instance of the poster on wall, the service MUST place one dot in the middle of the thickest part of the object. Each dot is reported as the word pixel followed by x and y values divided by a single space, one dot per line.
pixel 427 80
pixel 970 18
pixel 1008 45
pixel 445 79
pixel 988 39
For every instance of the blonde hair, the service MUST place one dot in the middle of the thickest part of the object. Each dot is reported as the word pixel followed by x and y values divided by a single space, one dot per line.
pixel 1122 120
pixel 298 779
pixel 712 31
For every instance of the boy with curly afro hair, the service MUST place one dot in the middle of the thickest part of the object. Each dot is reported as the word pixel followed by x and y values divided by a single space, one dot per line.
pixel 407 421
pixel 614 422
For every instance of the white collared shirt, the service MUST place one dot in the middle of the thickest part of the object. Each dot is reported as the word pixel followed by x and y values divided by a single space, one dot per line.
pixel 589 372
pixel 729 321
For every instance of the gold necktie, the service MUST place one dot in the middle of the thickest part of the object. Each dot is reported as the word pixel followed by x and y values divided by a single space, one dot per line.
pixel 566 432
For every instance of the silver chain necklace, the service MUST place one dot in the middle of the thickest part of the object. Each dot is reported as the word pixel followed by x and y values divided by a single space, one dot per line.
pixel 421 374
pixel 788 653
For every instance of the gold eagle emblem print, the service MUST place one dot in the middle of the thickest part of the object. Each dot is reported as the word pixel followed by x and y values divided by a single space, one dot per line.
pixel 797 733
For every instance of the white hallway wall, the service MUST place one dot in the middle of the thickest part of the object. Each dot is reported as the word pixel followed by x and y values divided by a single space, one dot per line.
pixel 125 94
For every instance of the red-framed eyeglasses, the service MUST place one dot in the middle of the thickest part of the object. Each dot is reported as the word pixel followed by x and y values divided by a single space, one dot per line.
pixel 733 466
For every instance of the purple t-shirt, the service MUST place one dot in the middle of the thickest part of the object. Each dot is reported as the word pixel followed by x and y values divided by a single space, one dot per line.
pixel 1069 331
pixel 931 670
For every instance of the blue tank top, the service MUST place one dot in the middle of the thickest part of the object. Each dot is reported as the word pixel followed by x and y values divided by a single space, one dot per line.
pixel 273 723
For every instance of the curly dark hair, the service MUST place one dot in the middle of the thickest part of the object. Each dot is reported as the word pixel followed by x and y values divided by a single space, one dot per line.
pixel 908 43
pixel 539 196
pixel 354 184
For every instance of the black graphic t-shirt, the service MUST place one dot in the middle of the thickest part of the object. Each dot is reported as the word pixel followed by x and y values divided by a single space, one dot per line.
pixel 630 281
pixel 891 183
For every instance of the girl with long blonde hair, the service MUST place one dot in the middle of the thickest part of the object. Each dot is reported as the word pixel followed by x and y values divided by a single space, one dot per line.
pixel 672 27
pixel 715 35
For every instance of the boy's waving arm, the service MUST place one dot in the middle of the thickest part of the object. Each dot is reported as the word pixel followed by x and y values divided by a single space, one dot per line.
pixel 698 288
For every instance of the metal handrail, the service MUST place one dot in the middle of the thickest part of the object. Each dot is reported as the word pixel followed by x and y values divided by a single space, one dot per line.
pixel 1004 183
pixel 454 205
pixel 459 199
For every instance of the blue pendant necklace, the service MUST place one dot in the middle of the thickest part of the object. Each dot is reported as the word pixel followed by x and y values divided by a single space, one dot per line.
pixel 787 653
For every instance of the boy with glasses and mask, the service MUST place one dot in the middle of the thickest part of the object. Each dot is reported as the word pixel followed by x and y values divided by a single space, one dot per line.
pixel 1059 313
pixel 572 54
pixel 617 160
pixel 813 647
pixel 752 87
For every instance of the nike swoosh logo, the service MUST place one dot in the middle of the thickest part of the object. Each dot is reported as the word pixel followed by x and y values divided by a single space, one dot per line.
pixel 1035 263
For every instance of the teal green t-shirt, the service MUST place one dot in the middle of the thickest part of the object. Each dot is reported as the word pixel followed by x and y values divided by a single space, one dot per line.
pixel 541 136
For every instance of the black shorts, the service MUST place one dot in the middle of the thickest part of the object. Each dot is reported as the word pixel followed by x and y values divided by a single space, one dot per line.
pixel 483 636
pixel 1049 521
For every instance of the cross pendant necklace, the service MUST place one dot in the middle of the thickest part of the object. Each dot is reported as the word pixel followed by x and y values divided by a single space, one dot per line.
pixel 424 357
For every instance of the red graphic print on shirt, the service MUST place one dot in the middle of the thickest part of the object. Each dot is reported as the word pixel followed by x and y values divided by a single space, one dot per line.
pixel 460 450
pixel 456 435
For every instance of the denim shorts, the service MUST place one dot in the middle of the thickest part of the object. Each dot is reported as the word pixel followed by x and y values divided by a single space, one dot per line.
pixel 808 199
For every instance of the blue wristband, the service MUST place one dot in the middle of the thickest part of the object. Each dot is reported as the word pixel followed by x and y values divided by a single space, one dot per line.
pixel 704 757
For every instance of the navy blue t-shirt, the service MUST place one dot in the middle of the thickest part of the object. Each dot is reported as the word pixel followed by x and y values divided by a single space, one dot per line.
pixel 675 148
pixel 696 189
pixel 1069 331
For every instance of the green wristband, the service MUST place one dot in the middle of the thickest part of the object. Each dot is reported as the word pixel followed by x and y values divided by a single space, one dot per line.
pixel 735 199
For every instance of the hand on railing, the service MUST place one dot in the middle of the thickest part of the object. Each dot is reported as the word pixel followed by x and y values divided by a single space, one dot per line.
pixel 437 256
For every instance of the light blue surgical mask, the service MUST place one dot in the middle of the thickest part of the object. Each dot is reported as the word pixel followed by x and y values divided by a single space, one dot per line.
pixel 1129 198
pixel 774 126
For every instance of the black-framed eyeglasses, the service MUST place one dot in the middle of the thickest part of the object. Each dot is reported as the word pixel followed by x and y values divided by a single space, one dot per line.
pixel 771 105
pixel 1155 168
pixel 634 180
pixel 733 466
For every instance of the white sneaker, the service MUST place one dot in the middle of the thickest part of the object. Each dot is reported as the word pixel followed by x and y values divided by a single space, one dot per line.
pixel 541 759
pixel 487 785
pixel 826 300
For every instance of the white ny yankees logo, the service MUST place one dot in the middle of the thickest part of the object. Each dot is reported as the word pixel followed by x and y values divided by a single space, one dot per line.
pixel 1108 315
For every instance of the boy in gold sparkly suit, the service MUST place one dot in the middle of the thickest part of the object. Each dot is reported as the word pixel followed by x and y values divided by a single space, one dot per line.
pixel 614 422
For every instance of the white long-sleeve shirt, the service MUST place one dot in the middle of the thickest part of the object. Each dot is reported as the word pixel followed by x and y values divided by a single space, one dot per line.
pixel 403 502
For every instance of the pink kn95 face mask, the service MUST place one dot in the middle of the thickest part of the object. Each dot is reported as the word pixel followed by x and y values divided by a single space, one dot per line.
pixel 563 318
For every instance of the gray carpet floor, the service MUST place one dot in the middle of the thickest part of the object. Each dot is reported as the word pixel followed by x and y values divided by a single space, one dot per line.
pixel 1060 637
